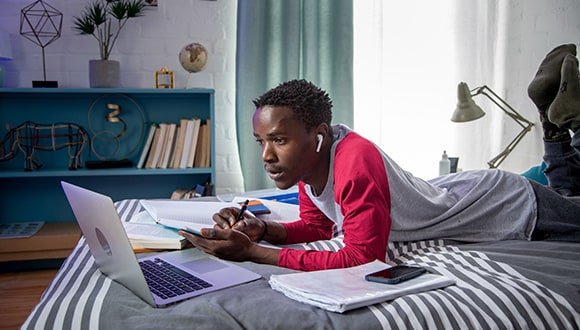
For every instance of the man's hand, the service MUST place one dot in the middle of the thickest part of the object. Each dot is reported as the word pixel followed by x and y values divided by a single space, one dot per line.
pixel 231 244
pixel 253 227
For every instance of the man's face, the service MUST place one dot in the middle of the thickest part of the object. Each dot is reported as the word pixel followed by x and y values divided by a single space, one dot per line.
pixel 288 150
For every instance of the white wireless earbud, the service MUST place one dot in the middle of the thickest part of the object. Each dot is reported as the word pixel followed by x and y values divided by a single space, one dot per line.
pixel 320 138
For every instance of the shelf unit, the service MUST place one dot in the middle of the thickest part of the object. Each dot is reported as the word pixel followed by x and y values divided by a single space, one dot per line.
pixel 37 195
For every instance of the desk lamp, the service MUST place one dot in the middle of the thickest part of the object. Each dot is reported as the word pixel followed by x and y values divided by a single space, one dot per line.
pixel 5 54
pixel 468 110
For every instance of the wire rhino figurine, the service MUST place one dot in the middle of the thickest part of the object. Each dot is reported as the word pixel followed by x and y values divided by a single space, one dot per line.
pixel 29 137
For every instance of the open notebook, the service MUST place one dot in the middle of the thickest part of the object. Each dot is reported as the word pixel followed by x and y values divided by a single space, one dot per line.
pixel 340 290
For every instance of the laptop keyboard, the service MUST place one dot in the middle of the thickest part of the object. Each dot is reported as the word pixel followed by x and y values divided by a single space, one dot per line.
pixel 167 281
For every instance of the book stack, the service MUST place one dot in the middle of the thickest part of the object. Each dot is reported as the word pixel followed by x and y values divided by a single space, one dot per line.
pixel 177 145
pixel 144 233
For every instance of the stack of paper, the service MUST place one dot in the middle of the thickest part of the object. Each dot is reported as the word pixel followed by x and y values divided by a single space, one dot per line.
pixel 144 233
pixel 340 290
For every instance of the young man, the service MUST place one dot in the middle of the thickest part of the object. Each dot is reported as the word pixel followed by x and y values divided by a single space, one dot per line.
pixel 349 186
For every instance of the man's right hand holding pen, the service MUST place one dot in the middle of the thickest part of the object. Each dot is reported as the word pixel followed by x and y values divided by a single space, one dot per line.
pixel 240 220
pixel 234 235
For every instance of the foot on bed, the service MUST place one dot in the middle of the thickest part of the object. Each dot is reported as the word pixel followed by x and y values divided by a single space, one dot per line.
pixel 544 87
pixel 565 110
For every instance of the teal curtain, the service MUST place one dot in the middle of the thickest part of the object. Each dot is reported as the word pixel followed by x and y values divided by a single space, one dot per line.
pixel 280 40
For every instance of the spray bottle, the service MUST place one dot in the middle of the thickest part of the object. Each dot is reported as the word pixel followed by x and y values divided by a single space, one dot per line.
pixel 444 164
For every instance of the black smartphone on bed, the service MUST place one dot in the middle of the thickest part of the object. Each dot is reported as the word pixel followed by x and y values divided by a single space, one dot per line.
pixel 395 274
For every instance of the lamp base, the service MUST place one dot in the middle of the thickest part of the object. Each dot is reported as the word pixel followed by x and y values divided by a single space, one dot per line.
pixel 44 84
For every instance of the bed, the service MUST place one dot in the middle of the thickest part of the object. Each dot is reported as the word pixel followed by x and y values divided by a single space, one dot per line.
pixel 500 285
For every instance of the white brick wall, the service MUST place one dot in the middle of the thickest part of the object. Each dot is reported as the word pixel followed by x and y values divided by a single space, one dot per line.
pixel 146 44
pixel 535 27
pixel 152 41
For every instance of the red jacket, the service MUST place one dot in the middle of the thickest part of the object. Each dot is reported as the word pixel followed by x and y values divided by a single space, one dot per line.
pixel 361 191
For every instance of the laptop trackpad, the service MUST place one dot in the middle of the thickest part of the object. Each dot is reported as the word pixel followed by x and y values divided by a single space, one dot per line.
pixel 204 265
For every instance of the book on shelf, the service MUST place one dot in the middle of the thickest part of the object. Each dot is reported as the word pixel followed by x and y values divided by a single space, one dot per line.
pixel 152 148
pixel 188 215
pixel 197 158
pixel 180 143
pixel 145 233
pixel 186 143
pixel 207 144
pixel 203 146
pixel 147 146
pixel 157 151
pixel 192 142
pixel 162 144
pixel 168 146
pixel 341 290
pixel 174 147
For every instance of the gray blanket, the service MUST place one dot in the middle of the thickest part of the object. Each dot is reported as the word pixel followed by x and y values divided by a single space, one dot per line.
pixel 508 284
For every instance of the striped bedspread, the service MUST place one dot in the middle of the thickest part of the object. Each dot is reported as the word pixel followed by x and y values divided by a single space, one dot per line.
pixel 489 294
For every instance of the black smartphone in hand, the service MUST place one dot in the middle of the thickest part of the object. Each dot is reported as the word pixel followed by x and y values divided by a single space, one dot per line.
pixel 395 274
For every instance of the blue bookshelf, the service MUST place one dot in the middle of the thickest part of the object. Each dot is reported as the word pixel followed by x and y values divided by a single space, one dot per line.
pixel 37 196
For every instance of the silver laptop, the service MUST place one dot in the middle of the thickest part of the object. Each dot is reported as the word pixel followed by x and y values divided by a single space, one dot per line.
pixel 197 272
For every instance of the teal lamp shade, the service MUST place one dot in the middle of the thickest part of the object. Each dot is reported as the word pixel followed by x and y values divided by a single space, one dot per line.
pixel 5 54
pixel 466 109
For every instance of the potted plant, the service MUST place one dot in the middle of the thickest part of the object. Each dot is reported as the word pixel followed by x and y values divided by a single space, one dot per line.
pixel 104 20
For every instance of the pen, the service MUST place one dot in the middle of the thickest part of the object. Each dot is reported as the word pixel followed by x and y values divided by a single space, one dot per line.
pixel 242 210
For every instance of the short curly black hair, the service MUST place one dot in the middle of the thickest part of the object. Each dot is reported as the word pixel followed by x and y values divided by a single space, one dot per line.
pixel 310 104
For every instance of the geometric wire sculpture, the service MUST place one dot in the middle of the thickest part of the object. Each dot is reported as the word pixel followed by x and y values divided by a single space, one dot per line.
pixel 41 23
pixel 108 129
pixel 29 137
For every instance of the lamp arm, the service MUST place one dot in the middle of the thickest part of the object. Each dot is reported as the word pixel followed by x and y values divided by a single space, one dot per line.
pixel 512 113
pixel 497 160
pixel 503 105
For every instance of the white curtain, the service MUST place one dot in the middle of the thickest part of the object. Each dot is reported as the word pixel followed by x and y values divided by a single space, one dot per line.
pixel 409 57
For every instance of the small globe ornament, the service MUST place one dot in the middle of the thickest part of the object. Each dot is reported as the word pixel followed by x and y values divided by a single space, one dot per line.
pixel 193 57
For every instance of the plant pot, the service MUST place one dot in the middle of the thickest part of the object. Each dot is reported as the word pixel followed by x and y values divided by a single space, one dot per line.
pixel 104 74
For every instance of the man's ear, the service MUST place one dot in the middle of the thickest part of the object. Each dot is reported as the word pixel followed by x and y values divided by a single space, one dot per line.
pixel 322 132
